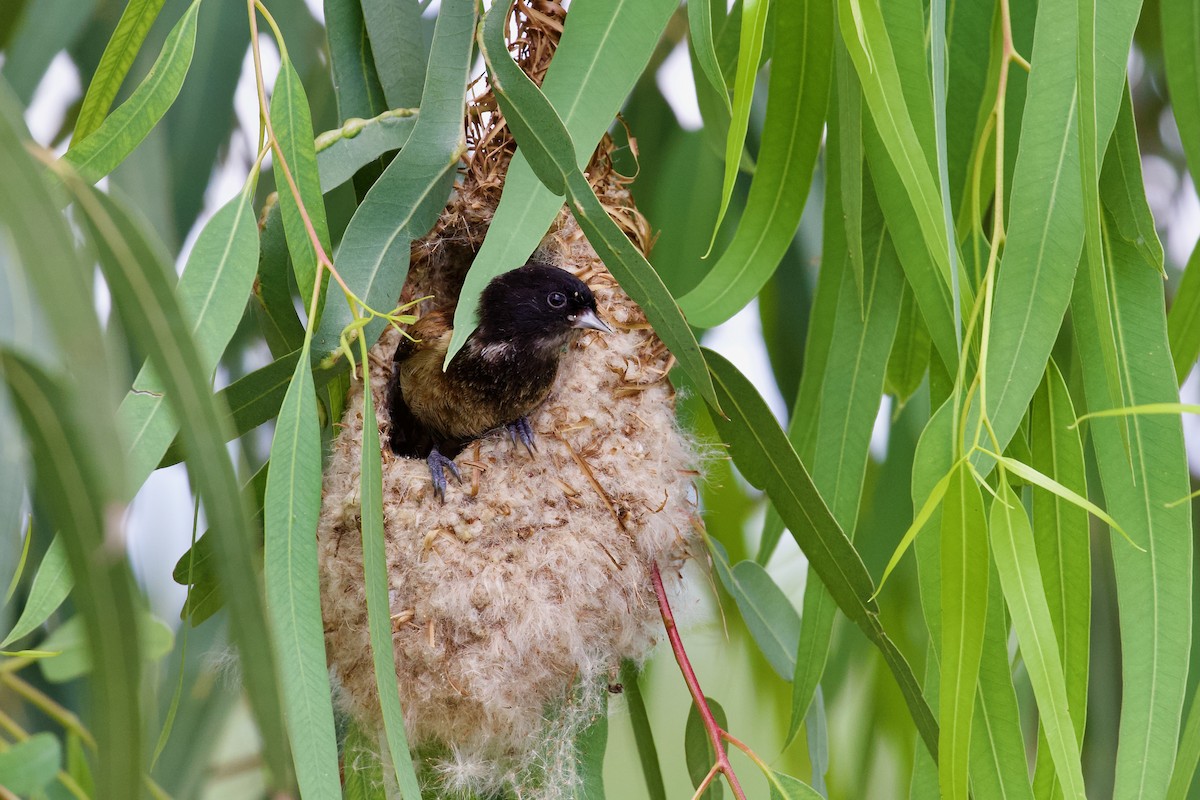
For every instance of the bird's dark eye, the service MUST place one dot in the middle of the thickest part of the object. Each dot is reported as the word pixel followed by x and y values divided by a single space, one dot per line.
pixel 557 299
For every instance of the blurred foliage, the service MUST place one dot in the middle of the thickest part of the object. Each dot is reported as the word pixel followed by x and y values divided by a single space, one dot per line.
pixel 946 260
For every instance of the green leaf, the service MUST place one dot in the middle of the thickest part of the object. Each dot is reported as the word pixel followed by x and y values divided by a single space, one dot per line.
pixel 74 657
pixel 1017 564
pixel 766 458
pixel 363 772
pixel 590 745
pixel 379 615
pixel 867 39
pixel 700 19
pixel 604 48
pixel 1031 475
pixel 937 58
pixel 533 122
pixel 785 787
pixel 1189 756
pixel 798 96
pixel 124 129
pixel 77 764
pixel 849 154
pixel 73 494
pixel 964 580
pixel 212 294
pixel 999 765
pixel 1061 535
pixel 1154 587
pixel 136 21
pixel 272 290
pixel 642 733
pixel 46 257
pixel 199 573
pixel 1045 227
pixel 28 766
pixel 1122 189
pixel 41 30
pixel 151 315
pixel 398 48
pixel 255 398
pixel 1099 40
pixel 754 25
pixel 766 610
pixel 410 194
pixel 861 338
pixel 344 151
pixel 292 122
pixel 1181 57
pixel 51 585
pixel 1183 321
pixel 698 752
pixel 291 509
pixel 355 80
pixel 910 353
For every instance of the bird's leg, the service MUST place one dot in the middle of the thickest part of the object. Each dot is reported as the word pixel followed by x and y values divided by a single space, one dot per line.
pixel 438 464
pixel 520 430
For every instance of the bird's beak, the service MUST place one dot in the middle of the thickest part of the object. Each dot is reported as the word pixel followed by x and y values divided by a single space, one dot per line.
pixel 590 319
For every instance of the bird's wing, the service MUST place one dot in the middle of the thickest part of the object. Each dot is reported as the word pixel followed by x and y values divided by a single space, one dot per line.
pixel 410 437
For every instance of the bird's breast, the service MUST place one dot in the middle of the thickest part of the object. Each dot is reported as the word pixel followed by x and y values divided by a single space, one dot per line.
pixel 477 393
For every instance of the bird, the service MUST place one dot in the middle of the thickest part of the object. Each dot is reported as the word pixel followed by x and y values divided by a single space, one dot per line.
pixel 527 318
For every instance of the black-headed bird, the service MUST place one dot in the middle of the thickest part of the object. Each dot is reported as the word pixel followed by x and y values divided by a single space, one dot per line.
pixel 527 318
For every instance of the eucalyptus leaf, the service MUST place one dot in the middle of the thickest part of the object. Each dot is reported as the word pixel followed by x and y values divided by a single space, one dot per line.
pixel 124 129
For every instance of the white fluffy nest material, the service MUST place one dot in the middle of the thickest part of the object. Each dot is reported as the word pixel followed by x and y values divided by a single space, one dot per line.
pixel 514 603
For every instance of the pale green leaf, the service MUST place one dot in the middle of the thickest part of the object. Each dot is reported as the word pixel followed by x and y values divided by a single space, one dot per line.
pixel 291 509
pixel 119 54
pixel 124 129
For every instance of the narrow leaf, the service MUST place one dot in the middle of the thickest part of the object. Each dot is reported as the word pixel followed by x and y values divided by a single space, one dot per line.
pixel 51 585
pixel 698 751
pixel 766 458
pixel 642 734
pixel 379 613
pixel 700 33
pixel 796 103
pixel 766 610
pixel 292 122
pixel 1154 587
pixel 212 294
pixel 1016 562
pixel 136 21
pixel 150 312
pixel 1061 535
pixel 291 509
pixel 410 194
pixel 29 766
pixel 754 25
pixel 964 609
pixel 67 480
pixel 124 129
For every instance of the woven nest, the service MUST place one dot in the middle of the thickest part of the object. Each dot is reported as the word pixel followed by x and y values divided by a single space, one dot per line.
pixel 514 602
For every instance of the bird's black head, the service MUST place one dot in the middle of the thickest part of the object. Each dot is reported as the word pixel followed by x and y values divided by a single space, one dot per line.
pixel 536 306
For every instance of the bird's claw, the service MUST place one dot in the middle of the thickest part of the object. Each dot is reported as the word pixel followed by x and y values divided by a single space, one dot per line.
pixel 521 431
pixel 438 464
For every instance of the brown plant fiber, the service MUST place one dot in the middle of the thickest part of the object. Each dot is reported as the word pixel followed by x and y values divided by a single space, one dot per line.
pixel 514 602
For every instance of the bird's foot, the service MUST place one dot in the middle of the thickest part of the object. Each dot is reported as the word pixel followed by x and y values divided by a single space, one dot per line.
pixel 521 431
pixel 438 464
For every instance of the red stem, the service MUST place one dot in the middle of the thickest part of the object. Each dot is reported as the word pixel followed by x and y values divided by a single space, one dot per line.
pixel 715 733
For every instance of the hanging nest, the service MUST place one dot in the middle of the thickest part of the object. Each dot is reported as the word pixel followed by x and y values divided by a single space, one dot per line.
pixel 514 602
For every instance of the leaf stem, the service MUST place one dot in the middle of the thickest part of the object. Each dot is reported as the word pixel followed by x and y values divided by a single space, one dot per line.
pixel 50 708
pixel 715 733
